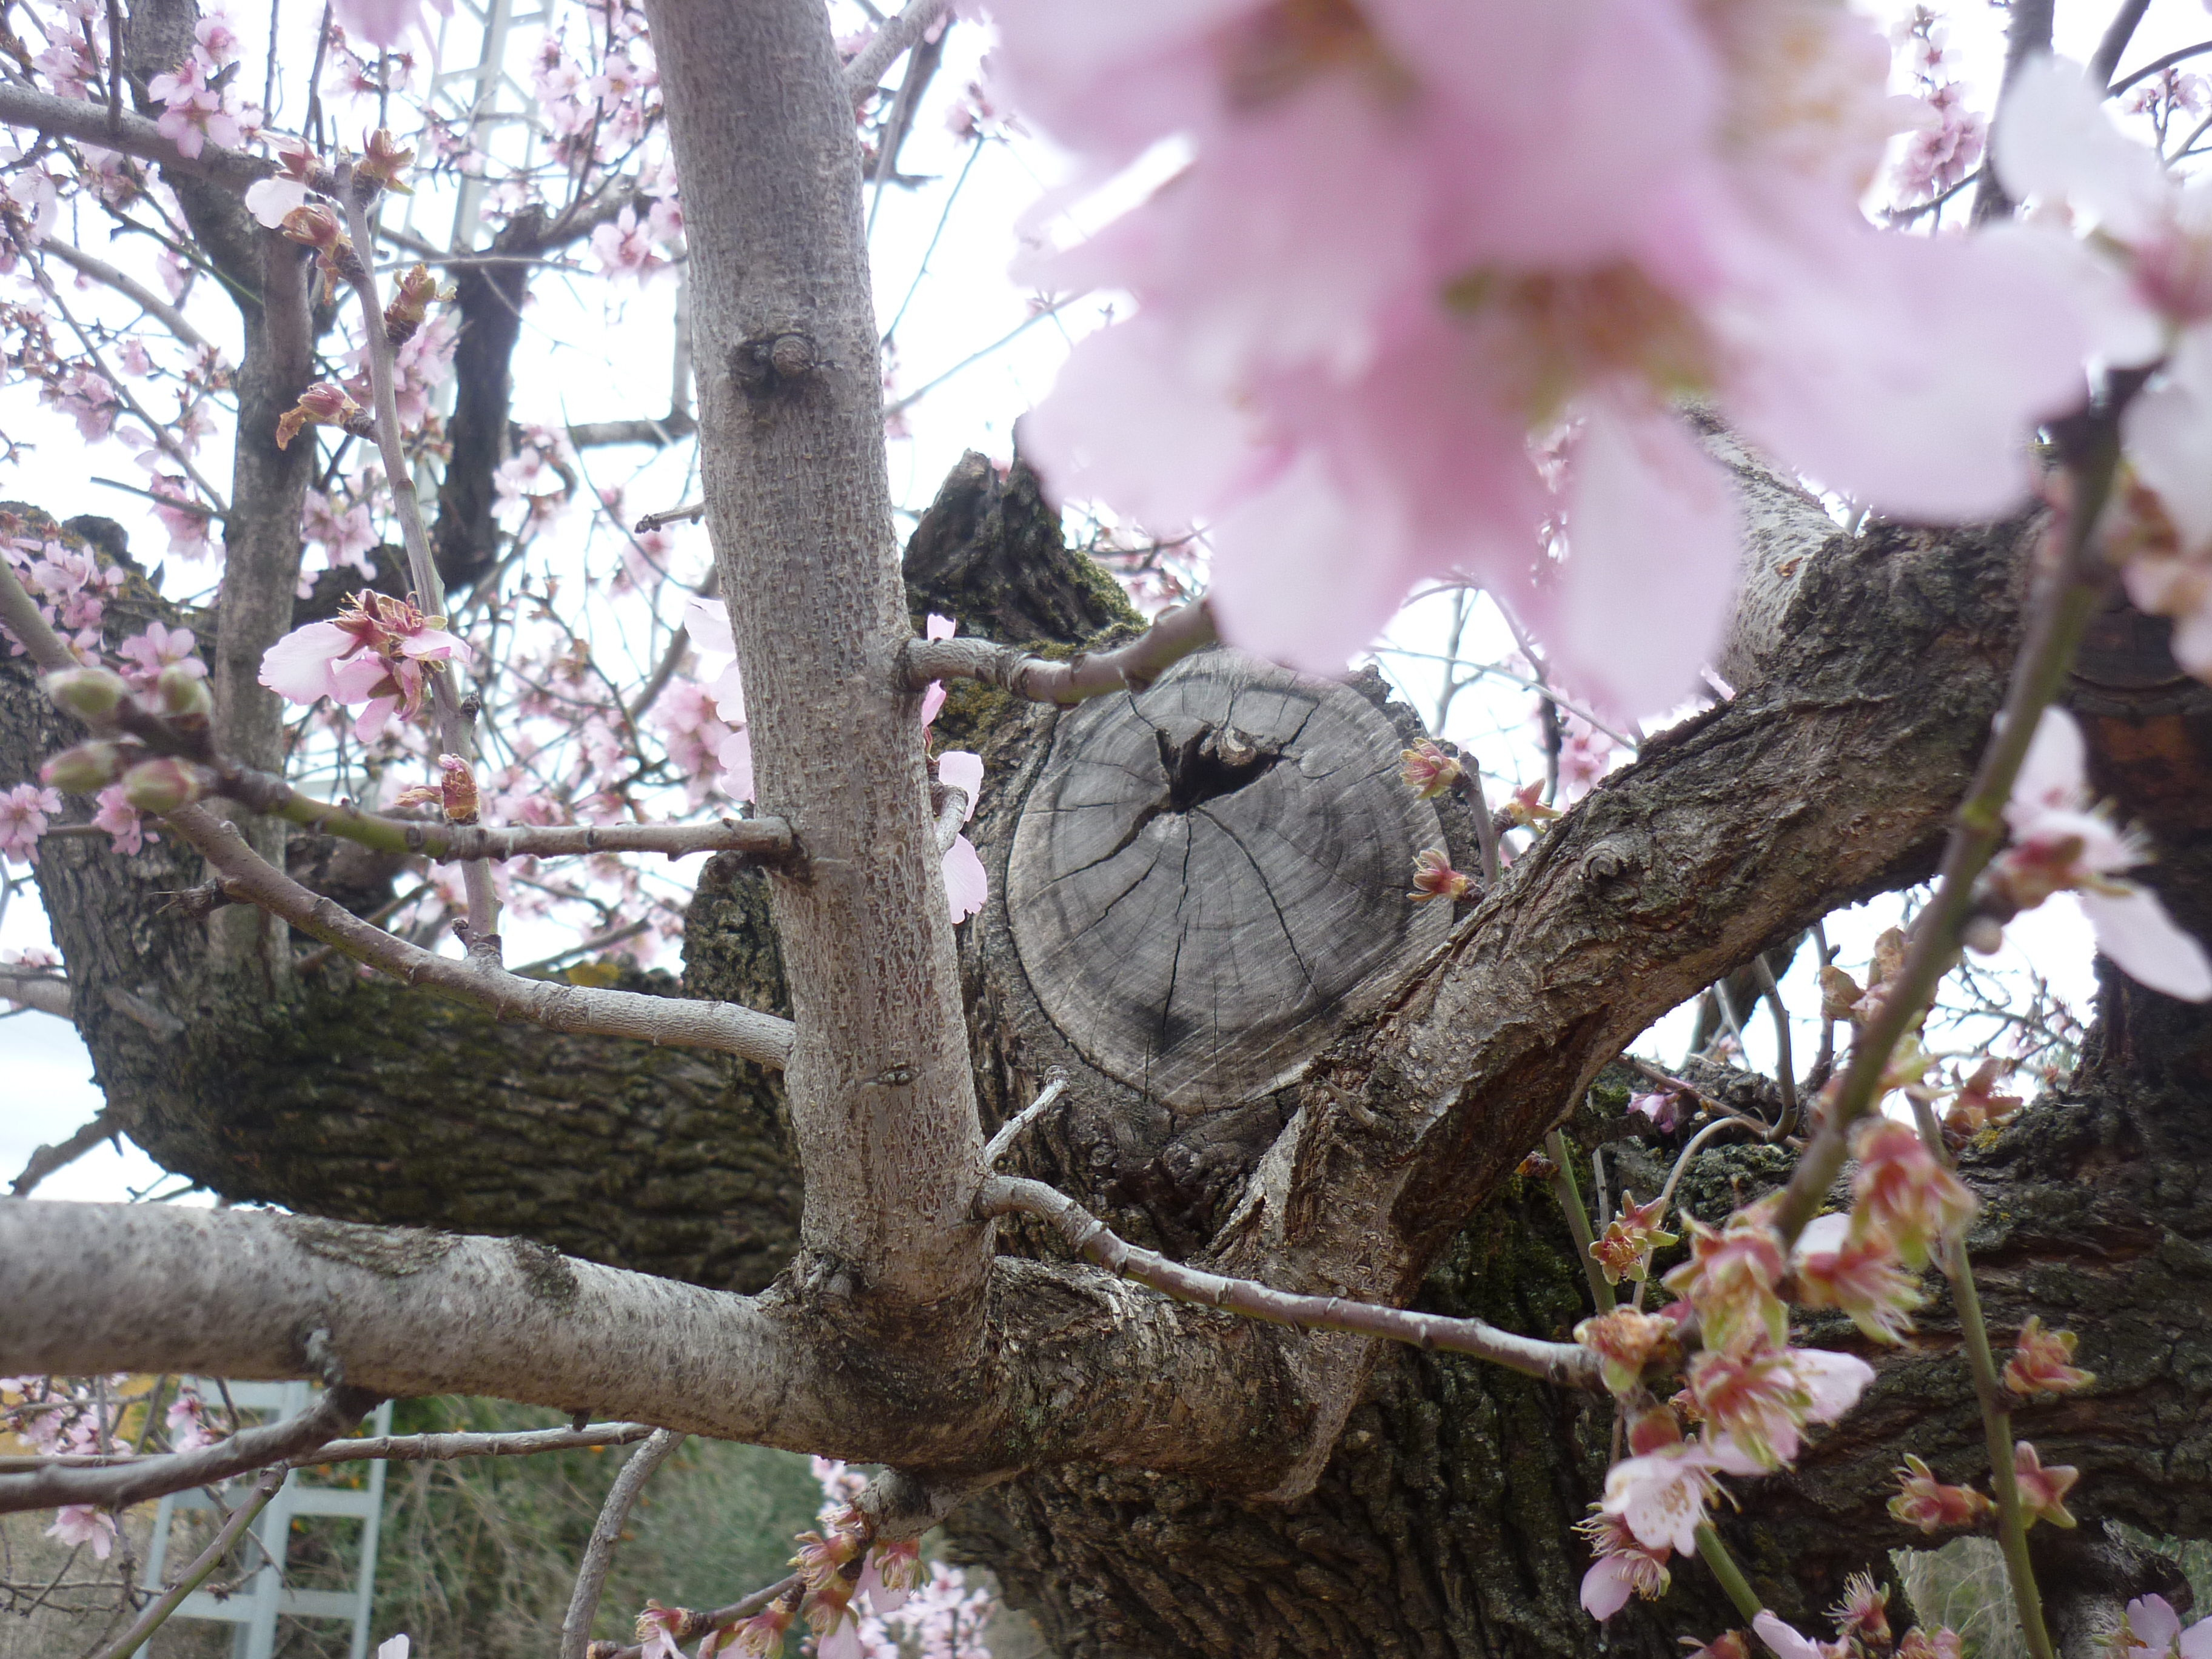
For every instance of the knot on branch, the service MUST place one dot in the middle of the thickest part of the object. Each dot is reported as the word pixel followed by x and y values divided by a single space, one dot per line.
pixel 770 363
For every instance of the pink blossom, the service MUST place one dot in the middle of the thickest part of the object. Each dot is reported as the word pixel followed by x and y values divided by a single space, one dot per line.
pixel 1661 1495
pixel 187 1424
pixel 2156 1632
pixel 24 810
pixel 378 652
pixel 1858 1271
pixel 2060 845
pixel 624 248
pixel 1347 335
pixel 79 1524
pixel 194 113
pixel 217 41
pixel 382 22
pixel 157 648
pixel 1622 1567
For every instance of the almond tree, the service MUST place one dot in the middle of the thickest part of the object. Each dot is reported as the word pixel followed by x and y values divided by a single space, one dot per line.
pixel 1251 1324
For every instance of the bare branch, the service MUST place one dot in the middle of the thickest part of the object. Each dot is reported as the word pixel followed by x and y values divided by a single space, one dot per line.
pixel 133 135
pixel 247 877
pixel 395 1448
pixel 47 992
pixel 671 428
pixel 47 1160
pixel 1130 667
pixel 952 814
pixel 1012 1129
pixel 132 289
pixel 690 513
pixel 2157 66
pixel 867 70
pixel 1565 1364
pixel 264 1488
pixel 49 1488
pixel 599 1554
pixel 2118 33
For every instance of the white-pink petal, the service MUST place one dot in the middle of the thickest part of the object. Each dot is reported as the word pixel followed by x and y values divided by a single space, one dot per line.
pixel 2053 774
pixel 2054 143
pixel 2156 1624
pixel 298 666
pixel 1834 1381
pixel 1651 565
pixel 707 622
pixel 966 886
pixel 2146 944
pixel 735 753
pixel 269 199
pixel 958 770
pixel 2168 432
pixel 1606 1587
pixel 1784 1640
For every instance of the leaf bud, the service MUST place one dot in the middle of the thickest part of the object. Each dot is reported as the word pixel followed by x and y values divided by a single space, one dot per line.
pixel 87 768
pixel 164 783
pixel 184 690
pixel 90 694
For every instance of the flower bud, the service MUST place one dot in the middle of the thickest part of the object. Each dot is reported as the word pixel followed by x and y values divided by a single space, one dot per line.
pixel 87 768
pixel 183 692
pixel 90 694
pixel 164 783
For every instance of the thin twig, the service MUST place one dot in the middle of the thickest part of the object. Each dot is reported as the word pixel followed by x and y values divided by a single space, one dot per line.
pixel 1130 667
pixel 246 876
pixel 453 726
pixel 53 1485
pixel 1010 1131
pixel 2059 613
pixel 47 1160
pixel 599 1554
pixel 1996 1417
pixel 1570 1197
pixel 132 289
pixel 266 1486
pixel 398 1448
pixel 1564 1364
pixel 1785 1068
pixel 696 1625
pixel 688 512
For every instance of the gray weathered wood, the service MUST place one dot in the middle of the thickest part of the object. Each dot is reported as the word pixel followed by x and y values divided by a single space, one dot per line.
pixel 1210 879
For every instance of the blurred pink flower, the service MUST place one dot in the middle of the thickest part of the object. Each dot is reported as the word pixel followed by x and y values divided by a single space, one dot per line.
pixel 1347 336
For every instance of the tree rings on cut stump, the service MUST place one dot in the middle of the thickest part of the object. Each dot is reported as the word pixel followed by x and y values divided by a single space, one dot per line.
pixel 1209 879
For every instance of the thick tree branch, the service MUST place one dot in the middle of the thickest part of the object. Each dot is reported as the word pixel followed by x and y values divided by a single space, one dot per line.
pixel 133 135
pixel 47 992
pixel 798 504
pixel 1083 1367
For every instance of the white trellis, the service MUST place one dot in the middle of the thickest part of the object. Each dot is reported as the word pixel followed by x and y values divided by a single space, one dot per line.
pixel 254 1608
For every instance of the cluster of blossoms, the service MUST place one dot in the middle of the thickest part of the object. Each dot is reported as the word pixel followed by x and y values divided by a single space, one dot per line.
pixel 199 107
pixel 64 1415
pixel 1862 1632
pixel 1947 147
pixel 1350 345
